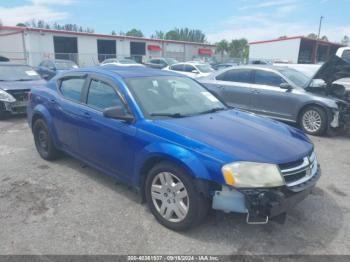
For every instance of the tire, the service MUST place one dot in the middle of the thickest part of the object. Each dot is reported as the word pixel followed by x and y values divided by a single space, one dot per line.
pixel 313 120
pixel 193 208
pixel 43 141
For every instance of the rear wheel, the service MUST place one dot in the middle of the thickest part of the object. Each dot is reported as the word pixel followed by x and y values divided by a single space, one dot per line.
pixel 173 198
pixel 43 141
pixel 313 120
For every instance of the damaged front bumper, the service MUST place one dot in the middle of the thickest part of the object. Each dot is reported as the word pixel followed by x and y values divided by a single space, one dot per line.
pixel 17 107
pixel 262 205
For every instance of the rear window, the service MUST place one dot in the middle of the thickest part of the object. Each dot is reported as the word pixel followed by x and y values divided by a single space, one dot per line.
pixel 71 88
pixel 241 76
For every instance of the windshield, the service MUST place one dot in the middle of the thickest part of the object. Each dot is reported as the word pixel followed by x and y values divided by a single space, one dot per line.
pixel 298 78
pixel 205 68
pixel 17 73
pixel 63 65
pixel 172 96
pixel 171 61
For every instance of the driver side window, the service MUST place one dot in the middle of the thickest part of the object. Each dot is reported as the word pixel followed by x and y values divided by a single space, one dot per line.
pixel 268 78
pixel 102 96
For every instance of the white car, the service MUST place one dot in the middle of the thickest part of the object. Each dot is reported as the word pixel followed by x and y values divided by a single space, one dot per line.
pixel 191 69
pixel 120 62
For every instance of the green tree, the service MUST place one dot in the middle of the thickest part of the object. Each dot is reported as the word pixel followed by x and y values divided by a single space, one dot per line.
pixel 113 32
pixel 345 40
pixel 158 35
pixel 222 47
pixel 324 38
pixel 186 34
pixel 239 48
pixel 21 25
pixel 134 32
pixel 312 36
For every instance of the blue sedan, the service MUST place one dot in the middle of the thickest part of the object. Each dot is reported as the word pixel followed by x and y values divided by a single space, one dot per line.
pixel 180 146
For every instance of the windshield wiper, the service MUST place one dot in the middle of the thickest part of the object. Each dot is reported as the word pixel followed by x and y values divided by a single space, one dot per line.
pixel 173 115
pixel 213 110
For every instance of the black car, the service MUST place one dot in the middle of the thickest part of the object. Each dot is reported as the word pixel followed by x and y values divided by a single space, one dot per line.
pixel 16 81
pixel 50 68
pixel 160 62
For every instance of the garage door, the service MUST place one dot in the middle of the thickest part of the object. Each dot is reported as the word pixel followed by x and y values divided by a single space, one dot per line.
pixel 66 48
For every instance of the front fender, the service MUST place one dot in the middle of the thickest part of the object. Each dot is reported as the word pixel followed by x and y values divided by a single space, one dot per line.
pixel 176 154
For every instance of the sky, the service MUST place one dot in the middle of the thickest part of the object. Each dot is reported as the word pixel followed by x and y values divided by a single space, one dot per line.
pixel 223 19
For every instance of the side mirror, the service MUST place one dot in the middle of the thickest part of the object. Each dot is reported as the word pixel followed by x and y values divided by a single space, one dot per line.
pixel 119 113
pixel 286 86
pixel 195 71
pixel 317 83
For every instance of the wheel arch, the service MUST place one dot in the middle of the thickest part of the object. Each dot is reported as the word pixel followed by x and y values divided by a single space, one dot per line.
pixel 318 104
pixel 179 156
pixel 40 112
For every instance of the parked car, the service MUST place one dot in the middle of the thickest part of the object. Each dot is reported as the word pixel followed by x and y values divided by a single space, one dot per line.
pixel 182 148
pixel 192 69
pixel 160 62
pixel 50 68
pixel 223 66
pixel 4 59
pixel 16 80
pixel 287 94
pixel 120 62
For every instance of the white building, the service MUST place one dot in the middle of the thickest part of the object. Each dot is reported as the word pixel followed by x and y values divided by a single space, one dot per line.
pixel 32 45
pixel 298 50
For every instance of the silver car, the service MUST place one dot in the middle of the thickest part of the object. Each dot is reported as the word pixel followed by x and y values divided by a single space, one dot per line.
pixel 284 94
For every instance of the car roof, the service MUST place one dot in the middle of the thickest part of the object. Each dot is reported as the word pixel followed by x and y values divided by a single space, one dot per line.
pixel 130 71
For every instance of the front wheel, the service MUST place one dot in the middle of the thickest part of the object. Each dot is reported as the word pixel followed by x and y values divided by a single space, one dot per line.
pixel 173 198
pixel 313 120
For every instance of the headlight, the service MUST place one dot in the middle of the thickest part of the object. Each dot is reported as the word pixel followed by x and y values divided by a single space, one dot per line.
pixel 251 174
pixel 6 97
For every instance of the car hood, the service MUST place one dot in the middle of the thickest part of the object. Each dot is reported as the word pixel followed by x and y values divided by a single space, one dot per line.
pixel 332 70
pixel 18 85
pixel 241 136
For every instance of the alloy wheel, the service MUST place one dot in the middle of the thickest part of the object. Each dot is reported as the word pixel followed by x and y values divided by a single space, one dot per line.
pixel 312 121
pixel 169 197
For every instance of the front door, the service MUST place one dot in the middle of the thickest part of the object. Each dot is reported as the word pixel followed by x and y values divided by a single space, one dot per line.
pixel 105 142
pixel 270 99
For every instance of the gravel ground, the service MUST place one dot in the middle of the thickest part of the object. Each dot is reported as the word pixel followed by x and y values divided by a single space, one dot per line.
pixel 64 207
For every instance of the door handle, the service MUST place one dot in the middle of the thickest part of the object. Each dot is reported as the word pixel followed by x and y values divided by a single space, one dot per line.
pixel 86 115
pixel 53 101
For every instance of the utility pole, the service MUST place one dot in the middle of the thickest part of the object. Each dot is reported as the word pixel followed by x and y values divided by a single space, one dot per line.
pixel 320 26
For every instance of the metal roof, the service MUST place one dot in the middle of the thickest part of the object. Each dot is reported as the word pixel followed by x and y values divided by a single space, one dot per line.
pixel 54 31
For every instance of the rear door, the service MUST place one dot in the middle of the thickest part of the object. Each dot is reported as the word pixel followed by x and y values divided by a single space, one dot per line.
pixel 271 100
pixel 66 110
pixel 105 142
pixel 234 87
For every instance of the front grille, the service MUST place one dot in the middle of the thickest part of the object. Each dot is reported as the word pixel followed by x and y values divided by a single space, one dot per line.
pixel 298 172
pixel 19 95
